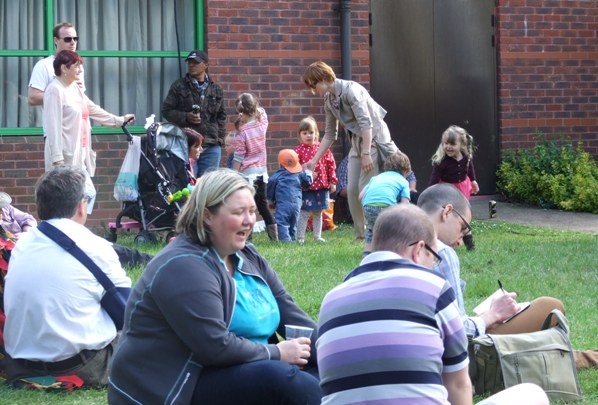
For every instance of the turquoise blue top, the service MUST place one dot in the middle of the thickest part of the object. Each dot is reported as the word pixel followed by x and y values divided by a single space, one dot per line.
pixel 256 315
pixel 385 189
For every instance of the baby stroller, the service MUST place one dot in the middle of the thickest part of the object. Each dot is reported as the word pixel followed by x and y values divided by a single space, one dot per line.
pixel 163 172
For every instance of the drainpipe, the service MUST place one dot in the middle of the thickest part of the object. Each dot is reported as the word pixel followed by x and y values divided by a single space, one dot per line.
pixel 346 55
pixel 345 9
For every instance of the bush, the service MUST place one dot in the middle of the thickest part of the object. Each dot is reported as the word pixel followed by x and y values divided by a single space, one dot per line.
pixel 552 175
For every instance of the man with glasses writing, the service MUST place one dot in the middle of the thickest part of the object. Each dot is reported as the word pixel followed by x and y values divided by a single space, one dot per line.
pixel 450 213
pixel 65 38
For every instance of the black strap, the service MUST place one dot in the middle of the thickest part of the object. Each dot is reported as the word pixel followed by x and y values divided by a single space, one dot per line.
pixel 70 246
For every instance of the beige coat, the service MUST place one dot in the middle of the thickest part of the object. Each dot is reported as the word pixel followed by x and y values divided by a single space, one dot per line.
pixel 63 125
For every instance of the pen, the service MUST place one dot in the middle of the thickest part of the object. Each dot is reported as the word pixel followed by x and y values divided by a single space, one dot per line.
pixel 500 285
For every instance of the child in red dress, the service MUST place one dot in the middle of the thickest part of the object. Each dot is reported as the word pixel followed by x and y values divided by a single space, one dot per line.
pixel 316 197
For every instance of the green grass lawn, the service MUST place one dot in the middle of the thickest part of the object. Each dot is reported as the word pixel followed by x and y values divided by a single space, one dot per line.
pixel 531 261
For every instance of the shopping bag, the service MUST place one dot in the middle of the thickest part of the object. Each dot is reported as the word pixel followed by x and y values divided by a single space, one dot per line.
pixel 126 187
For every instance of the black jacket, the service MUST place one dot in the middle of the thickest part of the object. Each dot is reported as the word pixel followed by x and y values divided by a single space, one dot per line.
pixel 180 99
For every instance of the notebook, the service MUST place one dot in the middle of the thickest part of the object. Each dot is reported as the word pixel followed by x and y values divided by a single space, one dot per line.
pixel 485 305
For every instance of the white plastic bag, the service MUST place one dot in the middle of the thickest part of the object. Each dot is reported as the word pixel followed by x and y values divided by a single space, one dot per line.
pixel 126 187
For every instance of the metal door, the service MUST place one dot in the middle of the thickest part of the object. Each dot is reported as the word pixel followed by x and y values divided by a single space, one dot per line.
pixel 433 64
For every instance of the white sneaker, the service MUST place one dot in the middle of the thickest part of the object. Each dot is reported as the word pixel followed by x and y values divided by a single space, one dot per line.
pixel 301 241
pixel 320 240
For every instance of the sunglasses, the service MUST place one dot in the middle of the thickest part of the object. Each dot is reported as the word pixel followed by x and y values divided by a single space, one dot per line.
pixel 437 258
pixel 69 39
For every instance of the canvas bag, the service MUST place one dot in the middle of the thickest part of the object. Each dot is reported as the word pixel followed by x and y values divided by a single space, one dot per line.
pixel 544 358
pixel 126 187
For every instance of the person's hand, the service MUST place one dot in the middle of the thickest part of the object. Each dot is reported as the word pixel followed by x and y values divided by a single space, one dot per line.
pixel 501 308
pixel 295 351
pixel 332 188
pixel 311 165
pixel 474 187
pixel 193 118
pixel 366 163
pixel 129 118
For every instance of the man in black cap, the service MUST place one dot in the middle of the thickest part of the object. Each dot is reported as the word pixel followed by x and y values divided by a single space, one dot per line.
pixel 197 102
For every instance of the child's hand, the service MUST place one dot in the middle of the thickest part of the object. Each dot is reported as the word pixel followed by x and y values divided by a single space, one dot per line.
pixel 332 188
pixel 272 205
pixel 474 187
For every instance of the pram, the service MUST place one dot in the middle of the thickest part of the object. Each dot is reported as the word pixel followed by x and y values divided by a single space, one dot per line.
pixel 163 171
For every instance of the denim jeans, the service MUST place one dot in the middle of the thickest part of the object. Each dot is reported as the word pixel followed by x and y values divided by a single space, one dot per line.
pixel 208 160
pixel 264 382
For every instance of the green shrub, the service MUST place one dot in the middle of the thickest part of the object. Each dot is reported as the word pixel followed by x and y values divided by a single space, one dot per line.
pixel 553 174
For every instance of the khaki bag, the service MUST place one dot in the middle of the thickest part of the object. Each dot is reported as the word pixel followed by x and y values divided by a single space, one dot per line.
pixel 544 358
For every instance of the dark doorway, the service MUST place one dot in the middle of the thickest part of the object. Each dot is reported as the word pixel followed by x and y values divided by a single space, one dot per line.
pixel 433 64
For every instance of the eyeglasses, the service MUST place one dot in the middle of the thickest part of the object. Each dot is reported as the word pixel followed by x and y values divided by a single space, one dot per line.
pixel 437 258
pixel 69 39
pixel 86 198
pixel 467 225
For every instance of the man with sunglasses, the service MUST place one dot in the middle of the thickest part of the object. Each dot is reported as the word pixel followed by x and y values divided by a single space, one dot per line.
pixel 65 38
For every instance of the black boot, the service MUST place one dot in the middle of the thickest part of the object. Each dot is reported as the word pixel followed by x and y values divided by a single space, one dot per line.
pixel 469 242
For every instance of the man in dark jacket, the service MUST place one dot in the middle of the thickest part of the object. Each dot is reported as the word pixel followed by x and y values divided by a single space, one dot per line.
pixel 197 102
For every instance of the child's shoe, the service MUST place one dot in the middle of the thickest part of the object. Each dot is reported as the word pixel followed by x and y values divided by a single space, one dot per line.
pixel 320 239
pixel 301 241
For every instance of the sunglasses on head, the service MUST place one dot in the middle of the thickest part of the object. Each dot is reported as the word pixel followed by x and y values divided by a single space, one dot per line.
pixel 69 39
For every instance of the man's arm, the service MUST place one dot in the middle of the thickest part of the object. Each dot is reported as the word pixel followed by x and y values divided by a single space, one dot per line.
pixel 170 107
pixel 35 96
pixel 458 386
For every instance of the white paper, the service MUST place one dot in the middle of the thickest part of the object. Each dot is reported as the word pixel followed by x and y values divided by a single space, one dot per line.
pixel 485 305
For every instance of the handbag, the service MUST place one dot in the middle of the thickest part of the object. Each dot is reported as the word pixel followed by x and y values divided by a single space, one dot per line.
pixel 114 300
pixel 126 187
pixel 544 357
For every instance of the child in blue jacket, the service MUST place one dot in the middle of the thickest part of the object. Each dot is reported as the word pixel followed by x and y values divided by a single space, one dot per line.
pixel 284 193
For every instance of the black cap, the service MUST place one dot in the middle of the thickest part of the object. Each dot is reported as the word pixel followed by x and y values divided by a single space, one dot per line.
pixel 198 56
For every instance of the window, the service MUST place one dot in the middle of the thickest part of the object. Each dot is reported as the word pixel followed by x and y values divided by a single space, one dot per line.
pixel 131 51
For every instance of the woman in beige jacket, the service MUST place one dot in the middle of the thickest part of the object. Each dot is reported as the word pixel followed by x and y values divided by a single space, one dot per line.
pixel 66 115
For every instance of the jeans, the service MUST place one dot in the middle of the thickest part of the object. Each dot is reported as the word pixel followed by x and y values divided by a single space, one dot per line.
pixel 208 160
pixel 264 382
pixel 286 216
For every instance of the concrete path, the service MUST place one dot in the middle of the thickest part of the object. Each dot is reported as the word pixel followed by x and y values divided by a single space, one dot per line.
pixel 526 215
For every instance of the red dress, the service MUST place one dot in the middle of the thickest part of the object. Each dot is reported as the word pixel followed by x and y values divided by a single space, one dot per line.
pixel 316 197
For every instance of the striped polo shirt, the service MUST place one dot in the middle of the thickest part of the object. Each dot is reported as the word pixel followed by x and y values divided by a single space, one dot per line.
pixel 387 333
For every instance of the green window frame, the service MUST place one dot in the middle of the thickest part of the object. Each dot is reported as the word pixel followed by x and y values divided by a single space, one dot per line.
pixel 165 64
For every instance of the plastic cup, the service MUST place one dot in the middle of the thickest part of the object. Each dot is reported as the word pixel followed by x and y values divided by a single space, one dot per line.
pixel 296 331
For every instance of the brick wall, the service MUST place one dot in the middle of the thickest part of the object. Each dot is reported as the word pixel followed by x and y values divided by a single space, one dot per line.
pixel 547 78
pixel 547 71
pixel 261 47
